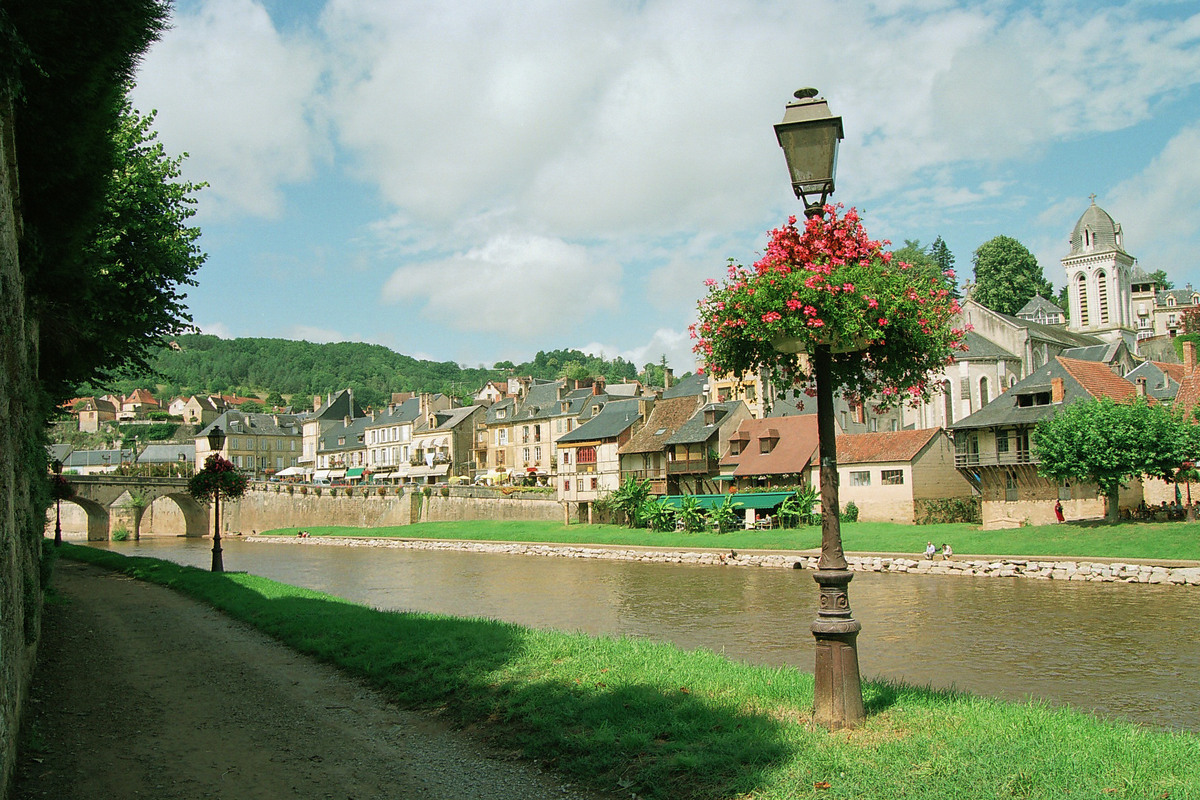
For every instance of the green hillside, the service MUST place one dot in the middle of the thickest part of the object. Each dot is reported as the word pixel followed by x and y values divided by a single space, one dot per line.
pixel 297 370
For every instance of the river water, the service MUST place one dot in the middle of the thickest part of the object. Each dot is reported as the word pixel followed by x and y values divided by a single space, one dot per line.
pixel 1128 651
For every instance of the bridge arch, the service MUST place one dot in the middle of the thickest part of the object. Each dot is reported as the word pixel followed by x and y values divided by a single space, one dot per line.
pixel 109 502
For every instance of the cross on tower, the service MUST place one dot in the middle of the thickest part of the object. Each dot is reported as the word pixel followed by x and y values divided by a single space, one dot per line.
pixel 1092 197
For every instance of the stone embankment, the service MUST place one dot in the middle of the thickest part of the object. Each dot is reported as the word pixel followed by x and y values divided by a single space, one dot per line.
pixel 1100 572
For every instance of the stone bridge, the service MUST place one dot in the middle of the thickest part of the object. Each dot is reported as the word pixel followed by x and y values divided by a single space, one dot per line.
pixel 113 501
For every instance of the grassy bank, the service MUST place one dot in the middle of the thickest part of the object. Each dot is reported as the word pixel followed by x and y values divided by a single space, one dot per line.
pixel 1168 540
pixel 649 718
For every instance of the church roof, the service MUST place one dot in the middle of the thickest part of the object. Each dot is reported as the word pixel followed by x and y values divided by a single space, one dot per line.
pixel 1039 303
pixel 1095 232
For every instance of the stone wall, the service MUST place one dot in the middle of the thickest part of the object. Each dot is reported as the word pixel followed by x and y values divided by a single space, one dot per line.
pixel 20 523
pixel 263 508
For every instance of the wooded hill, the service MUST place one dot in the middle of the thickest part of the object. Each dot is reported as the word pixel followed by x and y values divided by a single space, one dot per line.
pixel 203 364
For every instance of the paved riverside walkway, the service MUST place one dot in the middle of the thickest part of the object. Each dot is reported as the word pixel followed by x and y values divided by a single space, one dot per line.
pixel 141 692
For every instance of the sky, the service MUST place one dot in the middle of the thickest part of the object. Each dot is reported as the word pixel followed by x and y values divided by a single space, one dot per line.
pixel 479 180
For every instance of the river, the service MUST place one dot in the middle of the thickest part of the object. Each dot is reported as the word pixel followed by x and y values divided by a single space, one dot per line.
pixel 1127 651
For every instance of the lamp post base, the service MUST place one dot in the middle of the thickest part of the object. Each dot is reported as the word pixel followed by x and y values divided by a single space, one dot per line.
pixel 838 699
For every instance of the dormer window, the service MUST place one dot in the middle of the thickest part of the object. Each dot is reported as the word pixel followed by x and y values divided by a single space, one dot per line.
pixel 1196 299
pixel 768 440
pixel 1033 399
pixel 1171 301
pixel 710 416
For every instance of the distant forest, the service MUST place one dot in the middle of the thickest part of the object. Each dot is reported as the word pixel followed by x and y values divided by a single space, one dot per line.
pixel 297 370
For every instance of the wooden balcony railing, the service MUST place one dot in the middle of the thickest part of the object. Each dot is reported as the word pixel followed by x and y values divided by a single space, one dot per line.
pixel 1011 458
pixel 690 465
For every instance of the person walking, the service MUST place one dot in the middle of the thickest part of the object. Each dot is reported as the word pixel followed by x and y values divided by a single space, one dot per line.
pixel 1058 511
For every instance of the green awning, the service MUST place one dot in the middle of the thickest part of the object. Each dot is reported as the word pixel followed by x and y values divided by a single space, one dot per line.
pixel 741 500
pixel 355 472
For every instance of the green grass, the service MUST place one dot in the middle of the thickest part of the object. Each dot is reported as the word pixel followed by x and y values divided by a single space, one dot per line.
pixel 650 719
pixel 1167 540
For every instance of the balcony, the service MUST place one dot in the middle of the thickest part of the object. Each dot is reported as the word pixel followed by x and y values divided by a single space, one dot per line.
pixel 682 466
pixel 1011 458
pixel 643 474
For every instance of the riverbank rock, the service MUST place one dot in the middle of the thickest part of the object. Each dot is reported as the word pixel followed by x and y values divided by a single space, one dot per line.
pixel 1096 572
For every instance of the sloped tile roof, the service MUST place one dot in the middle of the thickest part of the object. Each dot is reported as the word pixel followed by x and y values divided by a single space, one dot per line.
pixel 867 448
pixel 696 430
pixel 1097 379
pixel 794 451
pixel 1173 371
pixel 612 420
pixel 667 417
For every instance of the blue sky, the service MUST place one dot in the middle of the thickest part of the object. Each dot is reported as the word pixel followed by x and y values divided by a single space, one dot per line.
pixel 480 180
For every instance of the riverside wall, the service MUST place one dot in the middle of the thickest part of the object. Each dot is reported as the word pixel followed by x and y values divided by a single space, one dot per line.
pixel 1094 571
pixel 267 507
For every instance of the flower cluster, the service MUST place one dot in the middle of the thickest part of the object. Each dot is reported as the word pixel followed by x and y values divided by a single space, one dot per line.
pixel 219 475
pixel 888 325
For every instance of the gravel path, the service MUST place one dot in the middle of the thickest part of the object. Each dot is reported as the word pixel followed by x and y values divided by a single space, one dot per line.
pixel 141 692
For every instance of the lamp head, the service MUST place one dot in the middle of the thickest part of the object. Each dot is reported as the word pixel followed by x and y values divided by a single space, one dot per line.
pixel 809 136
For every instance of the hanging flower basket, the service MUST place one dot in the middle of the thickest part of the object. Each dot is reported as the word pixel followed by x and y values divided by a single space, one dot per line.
pixel 887 324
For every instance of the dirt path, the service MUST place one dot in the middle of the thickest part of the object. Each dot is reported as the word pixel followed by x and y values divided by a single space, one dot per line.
pixel 141 692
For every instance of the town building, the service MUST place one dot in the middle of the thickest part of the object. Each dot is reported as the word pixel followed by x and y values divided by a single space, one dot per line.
pixel 993 446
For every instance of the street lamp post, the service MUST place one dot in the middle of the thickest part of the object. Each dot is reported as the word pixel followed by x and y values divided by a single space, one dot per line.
pixel 809 136
pixel 58 467
pixel 216 440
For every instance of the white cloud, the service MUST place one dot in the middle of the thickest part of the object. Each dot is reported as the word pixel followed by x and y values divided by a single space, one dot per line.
pixel 674 344
pixel 309 333
pixel 523 286
pixel 218 329
pixel 1159 209
pixel 240 98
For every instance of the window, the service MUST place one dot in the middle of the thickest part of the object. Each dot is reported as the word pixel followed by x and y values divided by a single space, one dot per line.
pixel 537 453
pixel 891 477
pixel 525 435
pixel 587 455
pixel 566 457
pixel 502 436
pixel 1002 442
pixel 567 485
pixel 860 478
pixel 595 484
pixel 525 455
pixel 1010 486
pixel 579 484
pixel 1103 295
pixel 1081 286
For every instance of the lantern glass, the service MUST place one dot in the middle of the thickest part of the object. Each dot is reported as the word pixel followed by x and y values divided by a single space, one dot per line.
pixel 811 152
pixel 216 438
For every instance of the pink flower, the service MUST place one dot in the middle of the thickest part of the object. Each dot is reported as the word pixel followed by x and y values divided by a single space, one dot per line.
pixel 771 316
pixel 710 282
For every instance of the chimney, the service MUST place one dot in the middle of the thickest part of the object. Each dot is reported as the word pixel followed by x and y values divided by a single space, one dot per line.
pixel 1189 358
pixel 346 421
pixel 316 402
pixel 425 400
pixel 645 406
pixel 1141 387
pixel 668 374
pixel 597 388
pixel 1056 390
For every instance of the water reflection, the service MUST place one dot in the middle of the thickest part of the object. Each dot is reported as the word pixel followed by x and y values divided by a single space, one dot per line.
pixel 1124 651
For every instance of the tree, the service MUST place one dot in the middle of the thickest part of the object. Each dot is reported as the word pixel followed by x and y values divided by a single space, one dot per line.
pixel 123 296
pixel 1107 443
pixel 1159 277
pixel 941 255
pixel 1007 276
pixel 628 499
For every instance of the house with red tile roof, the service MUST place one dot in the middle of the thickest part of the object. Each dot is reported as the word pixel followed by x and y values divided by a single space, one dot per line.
pixel 893 476
pixel 775 451
pixel 993 446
